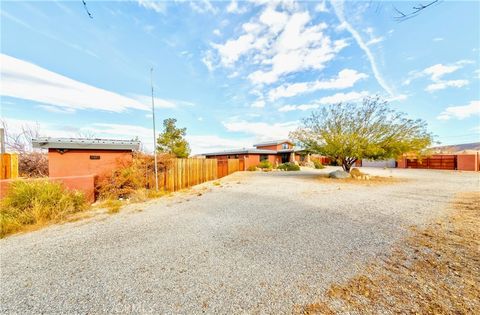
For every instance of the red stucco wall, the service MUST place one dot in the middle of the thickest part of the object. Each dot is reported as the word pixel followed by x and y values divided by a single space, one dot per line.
pixel 85 184
pixel 78 162
pixel 274 147
pixel 467 162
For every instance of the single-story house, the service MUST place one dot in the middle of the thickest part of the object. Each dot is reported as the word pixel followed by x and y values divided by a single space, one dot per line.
pixel 77 157
pixel 276 152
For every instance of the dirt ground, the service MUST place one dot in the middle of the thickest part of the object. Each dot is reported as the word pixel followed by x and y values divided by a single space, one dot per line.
pixel 257 243
pixel 434 271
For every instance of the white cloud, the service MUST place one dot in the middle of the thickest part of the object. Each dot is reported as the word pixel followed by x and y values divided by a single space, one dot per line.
pixel 436 74
pixel 208 61
pixel 262 131
pixel 375 40
pixel 279 42
pixel 203 6
pixel 437 71
pixel 160 102
pixel 56 109
pixel 24 80
pixel 258 104
pixel 345 79
pixel 212 143
pixel 157 6
pixel 327 100
pixel 338 9
pixel 438 39
pixel 461 112
pixel 234 8
pixel 321 7
pixel 217 32
pixel 441 85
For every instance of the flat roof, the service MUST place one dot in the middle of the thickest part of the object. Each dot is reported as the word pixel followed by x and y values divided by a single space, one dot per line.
pixel 82 143
pixel 242 151
pixel 273 142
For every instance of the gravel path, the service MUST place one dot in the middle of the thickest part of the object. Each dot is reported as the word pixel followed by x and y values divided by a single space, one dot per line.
pixel 259 243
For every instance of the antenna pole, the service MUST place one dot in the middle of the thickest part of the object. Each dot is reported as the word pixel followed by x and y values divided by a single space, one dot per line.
pixel 154 132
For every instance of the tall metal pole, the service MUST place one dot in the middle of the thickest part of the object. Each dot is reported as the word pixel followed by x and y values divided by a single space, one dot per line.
pixel 154 132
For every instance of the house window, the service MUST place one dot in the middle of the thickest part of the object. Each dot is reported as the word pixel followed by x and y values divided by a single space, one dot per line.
pixel 236 156
pixel 285 146
pixel 263 157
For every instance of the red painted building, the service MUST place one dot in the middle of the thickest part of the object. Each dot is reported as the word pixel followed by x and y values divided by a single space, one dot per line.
pixel 276 152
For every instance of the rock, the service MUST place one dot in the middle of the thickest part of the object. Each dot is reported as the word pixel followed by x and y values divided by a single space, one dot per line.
pixel 356 173
pixel 339 174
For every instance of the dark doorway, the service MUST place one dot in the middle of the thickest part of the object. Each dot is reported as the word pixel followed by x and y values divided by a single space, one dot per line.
pixel 285 157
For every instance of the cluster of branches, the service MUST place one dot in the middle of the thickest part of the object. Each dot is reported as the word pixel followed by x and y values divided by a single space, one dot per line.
pixel 415 10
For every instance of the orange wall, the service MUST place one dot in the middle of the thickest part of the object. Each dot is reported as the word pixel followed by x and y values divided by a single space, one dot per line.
pixel 467 162
pixel 78 162
pixel 85 184
pixel 250 159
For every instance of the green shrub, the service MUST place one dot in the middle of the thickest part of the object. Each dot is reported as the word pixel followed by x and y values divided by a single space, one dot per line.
pixel 265 164
pixel 289 166
pixel 318 164
pixel 252 168
pixel 36 203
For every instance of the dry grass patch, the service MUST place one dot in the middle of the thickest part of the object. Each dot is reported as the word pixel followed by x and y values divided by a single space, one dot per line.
pixel 30 205
pixel 436 271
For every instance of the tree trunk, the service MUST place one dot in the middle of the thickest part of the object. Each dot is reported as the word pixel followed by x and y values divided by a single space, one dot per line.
pixel 347 164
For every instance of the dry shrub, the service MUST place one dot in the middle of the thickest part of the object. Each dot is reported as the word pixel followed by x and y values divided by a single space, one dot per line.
pixel 33 164
pixel 128 178
pixel 113 206
pixel 436 271
pixel 36 203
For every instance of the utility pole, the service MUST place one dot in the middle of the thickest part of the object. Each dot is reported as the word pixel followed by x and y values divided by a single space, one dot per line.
pixel 154 132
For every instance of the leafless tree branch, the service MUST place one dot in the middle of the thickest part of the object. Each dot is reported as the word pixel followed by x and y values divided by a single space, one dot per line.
pixel 402 16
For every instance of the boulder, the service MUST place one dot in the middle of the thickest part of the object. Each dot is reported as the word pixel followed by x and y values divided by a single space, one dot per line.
pixel 356 173
pixel 339 174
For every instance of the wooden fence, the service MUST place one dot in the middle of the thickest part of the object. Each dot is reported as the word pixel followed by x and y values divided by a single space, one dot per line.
pixel 439 162
pixel 8 166
pixel 184 173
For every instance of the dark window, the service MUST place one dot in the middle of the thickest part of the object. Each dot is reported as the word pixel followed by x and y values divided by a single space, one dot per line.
pixel 94 157
pixel 236 156
pixel 285 146
pixel 263 157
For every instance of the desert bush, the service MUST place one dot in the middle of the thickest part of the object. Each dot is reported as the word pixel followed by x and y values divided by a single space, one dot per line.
pixel 265 164
pixel 128 178
pixel 112 205
pixel 289 166
pixel 307 164
pixel 318 165
pixel 37 202
pixel 252 168
pixel 33 164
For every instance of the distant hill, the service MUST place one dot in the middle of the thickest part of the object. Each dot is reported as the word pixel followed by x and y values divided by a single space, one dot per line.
pixel 475 146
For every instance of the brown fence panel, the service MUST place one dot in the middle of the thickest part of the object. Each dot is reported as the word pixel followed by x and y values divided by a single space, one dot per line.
pixel 241 165
pixel 233 165
pixel 222 168
pixel 441 162
pixel 184 173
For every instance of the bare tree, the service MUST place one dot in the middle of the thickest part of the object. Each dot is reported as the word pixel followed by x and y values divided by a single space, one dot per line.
pixel 415 10
pixel 31 163
pixel 20 141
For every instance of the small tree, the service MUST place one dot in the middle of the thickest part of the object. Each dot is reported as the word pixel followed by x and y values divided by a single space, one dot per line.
pixel 371 130
pixel 172 140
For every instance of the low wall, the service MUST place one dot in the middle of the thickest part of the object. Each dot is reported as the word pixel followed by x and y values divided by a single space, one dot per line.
pixel 85 184
pixel 467 162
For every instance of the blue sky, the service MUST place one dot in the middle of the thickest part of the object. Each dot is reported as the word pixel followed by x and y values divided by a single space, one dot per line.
pixel 234 73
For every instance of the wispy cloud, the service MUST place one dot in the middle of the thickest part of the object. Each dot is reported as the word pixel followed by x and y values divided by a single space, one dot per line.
pixel 339 12
pixel 346 78
pixel 261 131
pixel 203 6
pixel 233 7
pixel 157 6
pixel 24 80
pixel 332 99
pixel 461 112
pixel 436 74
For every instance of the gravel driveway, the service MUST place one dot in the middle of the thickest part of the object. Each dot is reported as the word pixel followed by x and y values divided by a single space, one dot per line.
pixel 259 243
